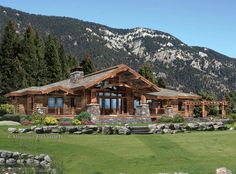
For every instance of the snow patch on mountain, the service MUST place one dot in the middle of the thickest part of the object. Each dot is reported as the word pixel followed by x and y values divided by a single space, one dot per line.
pixel 201 54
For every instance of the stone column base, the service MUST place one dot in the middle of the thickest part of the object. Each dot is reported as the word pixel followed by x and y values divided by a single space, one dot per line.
pixel 142 110
pixel 94 110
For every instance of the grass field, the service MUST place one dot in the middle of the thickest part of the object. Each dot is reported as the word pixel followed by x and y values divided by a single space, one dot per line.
pixel 195 153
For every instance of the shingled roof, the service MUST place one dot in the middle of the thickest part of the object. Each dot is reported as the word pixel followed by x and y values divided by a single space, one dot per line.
pixel 172 94
pixel 84 83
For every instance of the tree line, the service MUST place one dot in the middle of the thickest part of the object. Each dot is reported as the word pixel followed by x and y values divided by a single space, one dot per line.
pixel 28 60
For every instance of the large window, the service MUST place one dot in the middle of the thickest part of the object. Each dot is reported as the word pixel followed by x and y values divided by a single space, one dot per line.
pixel 112 102
pixel 59 102
pixel 51 102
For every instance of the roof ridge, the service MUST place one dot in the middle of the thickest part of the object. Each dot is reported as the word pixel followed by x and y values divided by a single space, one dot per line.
pixel 106 69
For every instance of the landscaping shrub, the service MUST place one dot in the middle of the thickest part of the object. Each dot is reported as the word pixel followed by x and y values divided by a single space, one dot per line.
pixel 165 119
pixel 50 120
pixel 26 119
pixel 7 109
pixel 83 116
pixel 65 121
pixel 232 125
pixel 37 118
pixel 197 111
pixel 26 122
pixel 178 118
pixel 231 116
pixel 76 122
pixel 10 117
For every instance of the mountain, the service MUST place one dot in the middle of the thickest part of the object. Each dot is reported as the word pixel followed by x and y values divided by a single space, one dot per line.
pixel 183 67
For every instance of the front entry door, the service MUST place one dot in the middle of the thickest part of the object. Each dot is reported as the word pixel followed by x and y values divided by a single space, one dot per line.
pixel 55 105
pixel 112 104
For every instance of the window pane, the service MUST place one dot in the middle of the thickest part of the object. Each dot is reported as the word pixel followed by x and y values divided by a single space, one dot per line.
pixel 113 106
pixel 59 102
pixel 113 94
pixel 100 102
pixel 107 103
pixel 136 103
pixel 107 94
pixel 51 102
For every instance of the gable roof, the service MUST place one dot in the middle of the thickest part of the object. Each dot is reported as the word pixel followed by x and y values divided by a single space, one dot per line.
pixel 172 94
pixel 84 83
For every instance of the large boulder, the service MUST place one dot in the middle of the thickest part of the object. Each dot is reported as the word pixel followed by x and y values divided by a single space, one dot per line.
pixel 45 164
pixel 167 131
pixel 223 170
pixel 193 126
pixel 47 158
pixel 171 126
pixel 11 162
pixel 124 131
pixel 15 155
pixel 9 123
pixel 2 161
pixel 152 126
pixel 41 156
pixel 29 161
pixel 24 130
pixel 219 126
pixel 12 130
pixel 62 129
pixel 20 162
pixel 161 126
pixel 72 129
pixel 38 130
pixel 47 129
pixel 107 130
pixel 87 131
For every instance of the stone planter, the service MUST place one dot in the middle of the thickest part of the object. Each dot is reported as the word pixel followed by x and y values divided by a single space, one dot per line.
pixel 142 110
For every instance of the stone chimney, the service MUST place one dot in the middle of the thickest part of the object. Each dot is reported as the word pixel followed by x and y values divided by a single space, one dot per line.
pixel 76 74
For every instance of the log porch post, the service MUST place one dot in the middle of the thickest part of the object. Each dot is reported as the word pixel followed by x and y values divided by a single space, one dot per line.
pixel 222 110
pixel 143 99
pixel 203 110
pixel 186 110
pixel 93 96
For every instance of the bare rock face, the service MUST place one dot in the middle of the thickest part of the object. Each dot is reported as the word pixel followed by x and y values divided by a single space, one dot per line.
pixel 223 170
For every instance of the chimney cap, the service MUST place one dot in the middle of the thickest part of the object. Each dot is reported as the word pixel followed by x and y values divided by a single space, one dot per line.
pixel 79 68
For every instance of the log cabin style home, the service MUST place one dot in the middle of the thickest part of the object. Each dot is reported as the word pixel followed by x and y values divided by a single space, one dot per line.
pixel 115 91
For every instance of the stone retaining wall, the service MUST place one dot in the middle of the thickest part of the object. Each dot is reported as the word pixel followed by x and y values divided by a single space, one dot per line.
pixel 124 130
pixel 14 162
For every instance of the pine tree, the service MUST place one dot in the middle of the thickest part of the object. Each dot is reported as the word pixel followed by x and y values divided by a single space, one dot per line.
pixel 52 59
pixel 28 56
pixel 147 72
pixel 72 62
pixel 41 78
pixel 161 83
pixel 87 65
pixel 12 74
pixel 231 98
pixel 63 59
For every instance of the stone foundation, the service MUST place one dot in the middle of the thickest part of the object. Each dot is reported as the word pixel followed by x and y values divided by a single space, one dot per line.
pixel 94 110
pixel 142 110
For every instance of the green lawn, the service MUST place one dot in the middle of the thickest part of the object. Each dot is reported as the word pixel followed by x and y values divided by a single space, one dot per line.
pixel 195 153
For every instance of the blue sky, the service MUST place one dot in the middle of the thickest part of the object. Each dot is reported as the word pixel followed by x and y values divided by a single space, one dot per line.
pixel 208 23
